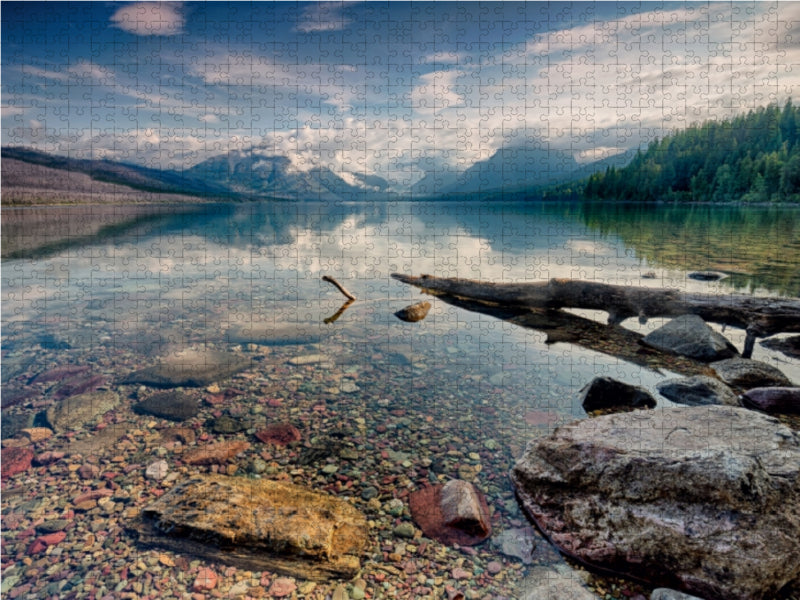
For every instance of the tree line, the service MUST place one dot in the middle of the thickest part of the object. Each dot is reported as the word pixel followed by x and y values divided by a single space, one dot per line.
pixel 750 158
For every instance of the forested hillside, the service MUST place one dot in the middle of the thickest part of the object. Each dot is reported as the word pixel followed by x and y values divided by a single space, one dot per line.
pixel 751 158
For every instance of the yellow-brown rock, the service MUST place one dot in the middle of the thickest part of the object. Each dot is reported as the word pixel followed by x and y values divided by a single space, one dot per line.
pixel 415 312
pixel 258 525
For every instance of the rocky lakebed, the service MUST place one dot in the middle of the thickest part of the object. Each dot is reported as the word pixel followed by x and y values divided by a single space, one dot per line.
pixel 274 466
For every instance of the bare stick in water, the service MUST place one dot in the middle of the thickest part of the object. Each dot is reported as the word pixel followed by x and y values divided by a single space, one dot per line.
pixel 338 313
pixel 339 286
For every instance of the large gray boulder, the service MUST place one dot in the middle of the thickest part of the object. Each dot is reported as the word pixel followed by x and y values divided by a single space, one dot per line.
pixel 190 368
pixel 688 335
pixel 703 499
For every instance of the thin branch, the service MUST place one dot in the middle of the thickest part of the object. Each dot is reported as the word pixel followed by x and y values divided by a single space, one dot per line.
pixel 338 313
pixel 339 286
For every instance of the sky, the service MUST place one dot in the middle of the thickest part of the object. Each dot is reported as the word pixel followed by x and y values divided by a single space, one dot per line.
pixel 394 89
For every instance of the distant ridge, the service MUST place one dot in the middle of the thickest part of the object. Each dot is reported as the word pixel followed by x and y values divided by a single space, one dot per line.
pixel 256 174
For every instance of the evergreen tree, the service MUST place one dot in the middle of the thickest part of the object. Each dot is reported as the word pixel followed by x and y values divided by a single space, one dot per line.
pixel 752 158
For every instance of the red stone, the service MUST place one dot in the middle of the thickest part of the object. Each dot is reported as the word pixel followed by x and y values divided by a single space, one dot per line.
pixel 91 495
pixel 78 385
pixel 426 510
pixel 206 580
pixel 281 587
pixel 279 434
pixel 43 542
pixel 15 460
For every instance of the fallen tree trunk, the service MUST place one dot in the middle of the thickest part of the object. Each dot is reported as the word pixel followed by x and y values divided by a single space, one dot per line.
pixel 612 340
pixel 759 317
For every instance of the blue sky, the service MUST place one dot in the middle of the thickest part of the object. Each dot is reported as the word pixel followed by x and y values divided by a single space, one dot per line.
pixel 390 88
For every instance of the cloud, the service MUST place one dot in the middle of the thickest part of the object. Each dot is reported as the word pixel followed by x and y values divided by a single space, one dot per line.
pixel 150 18
pixel 322 16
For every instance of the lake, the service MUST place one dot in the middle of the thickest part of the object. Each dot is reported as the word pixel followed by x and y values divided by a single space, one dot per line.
pixel 102 292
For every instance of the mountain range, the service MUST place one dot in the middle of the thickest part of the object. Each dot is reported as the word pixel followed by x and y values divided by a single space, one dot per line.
pixel 258 174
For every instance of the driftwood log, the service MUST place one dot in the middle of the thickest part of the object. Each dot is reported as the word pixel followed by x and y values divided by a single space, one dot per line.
pixel 759 317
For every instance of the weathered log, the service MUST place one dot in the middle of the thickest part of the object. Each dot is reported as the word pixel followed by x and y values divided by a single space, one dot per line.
pixel 612 340
pixel 759 317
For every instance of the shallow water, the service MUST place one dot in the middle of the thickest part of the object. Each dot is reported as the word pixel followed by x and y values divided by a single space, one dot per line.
pixel 457 394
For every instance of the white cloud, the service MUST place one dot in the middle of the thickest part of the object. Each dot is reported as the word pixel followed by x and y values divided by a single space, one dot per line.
pixel 150 18
pixel 322 16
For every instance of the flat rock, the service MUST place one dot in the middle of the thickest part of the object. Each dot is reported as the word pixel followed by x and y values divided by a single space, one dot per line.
pixel 173 405
pixel 275 334
pixel 553 583
pixel 308 359
pixel 603 393
pixel 211 454
pixel 702 499
pixel 746 374
pixel 699 390
pixel 777 400
pixel 76 411
pixel 518 542
pixel 689 335
pixel 414 312
pixel 190 368
pixel 259 525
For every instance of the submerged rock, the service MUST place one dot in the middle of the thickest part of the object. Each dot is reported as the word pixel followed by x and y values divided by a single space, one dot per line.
pixel 517 542
pixel 214 453
pixel 190 368
pixel 778 400
pixel 705 499
pixel 413 313
pixel 689 335
pixel 173 405
pixel 226 424
pixel 279 434
pixel 745 373
pixel 77 411
pixel 258 525
pixel 553 583
pixel 699 390
pixel 15 460
pixel 606 393
pixel 706 275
